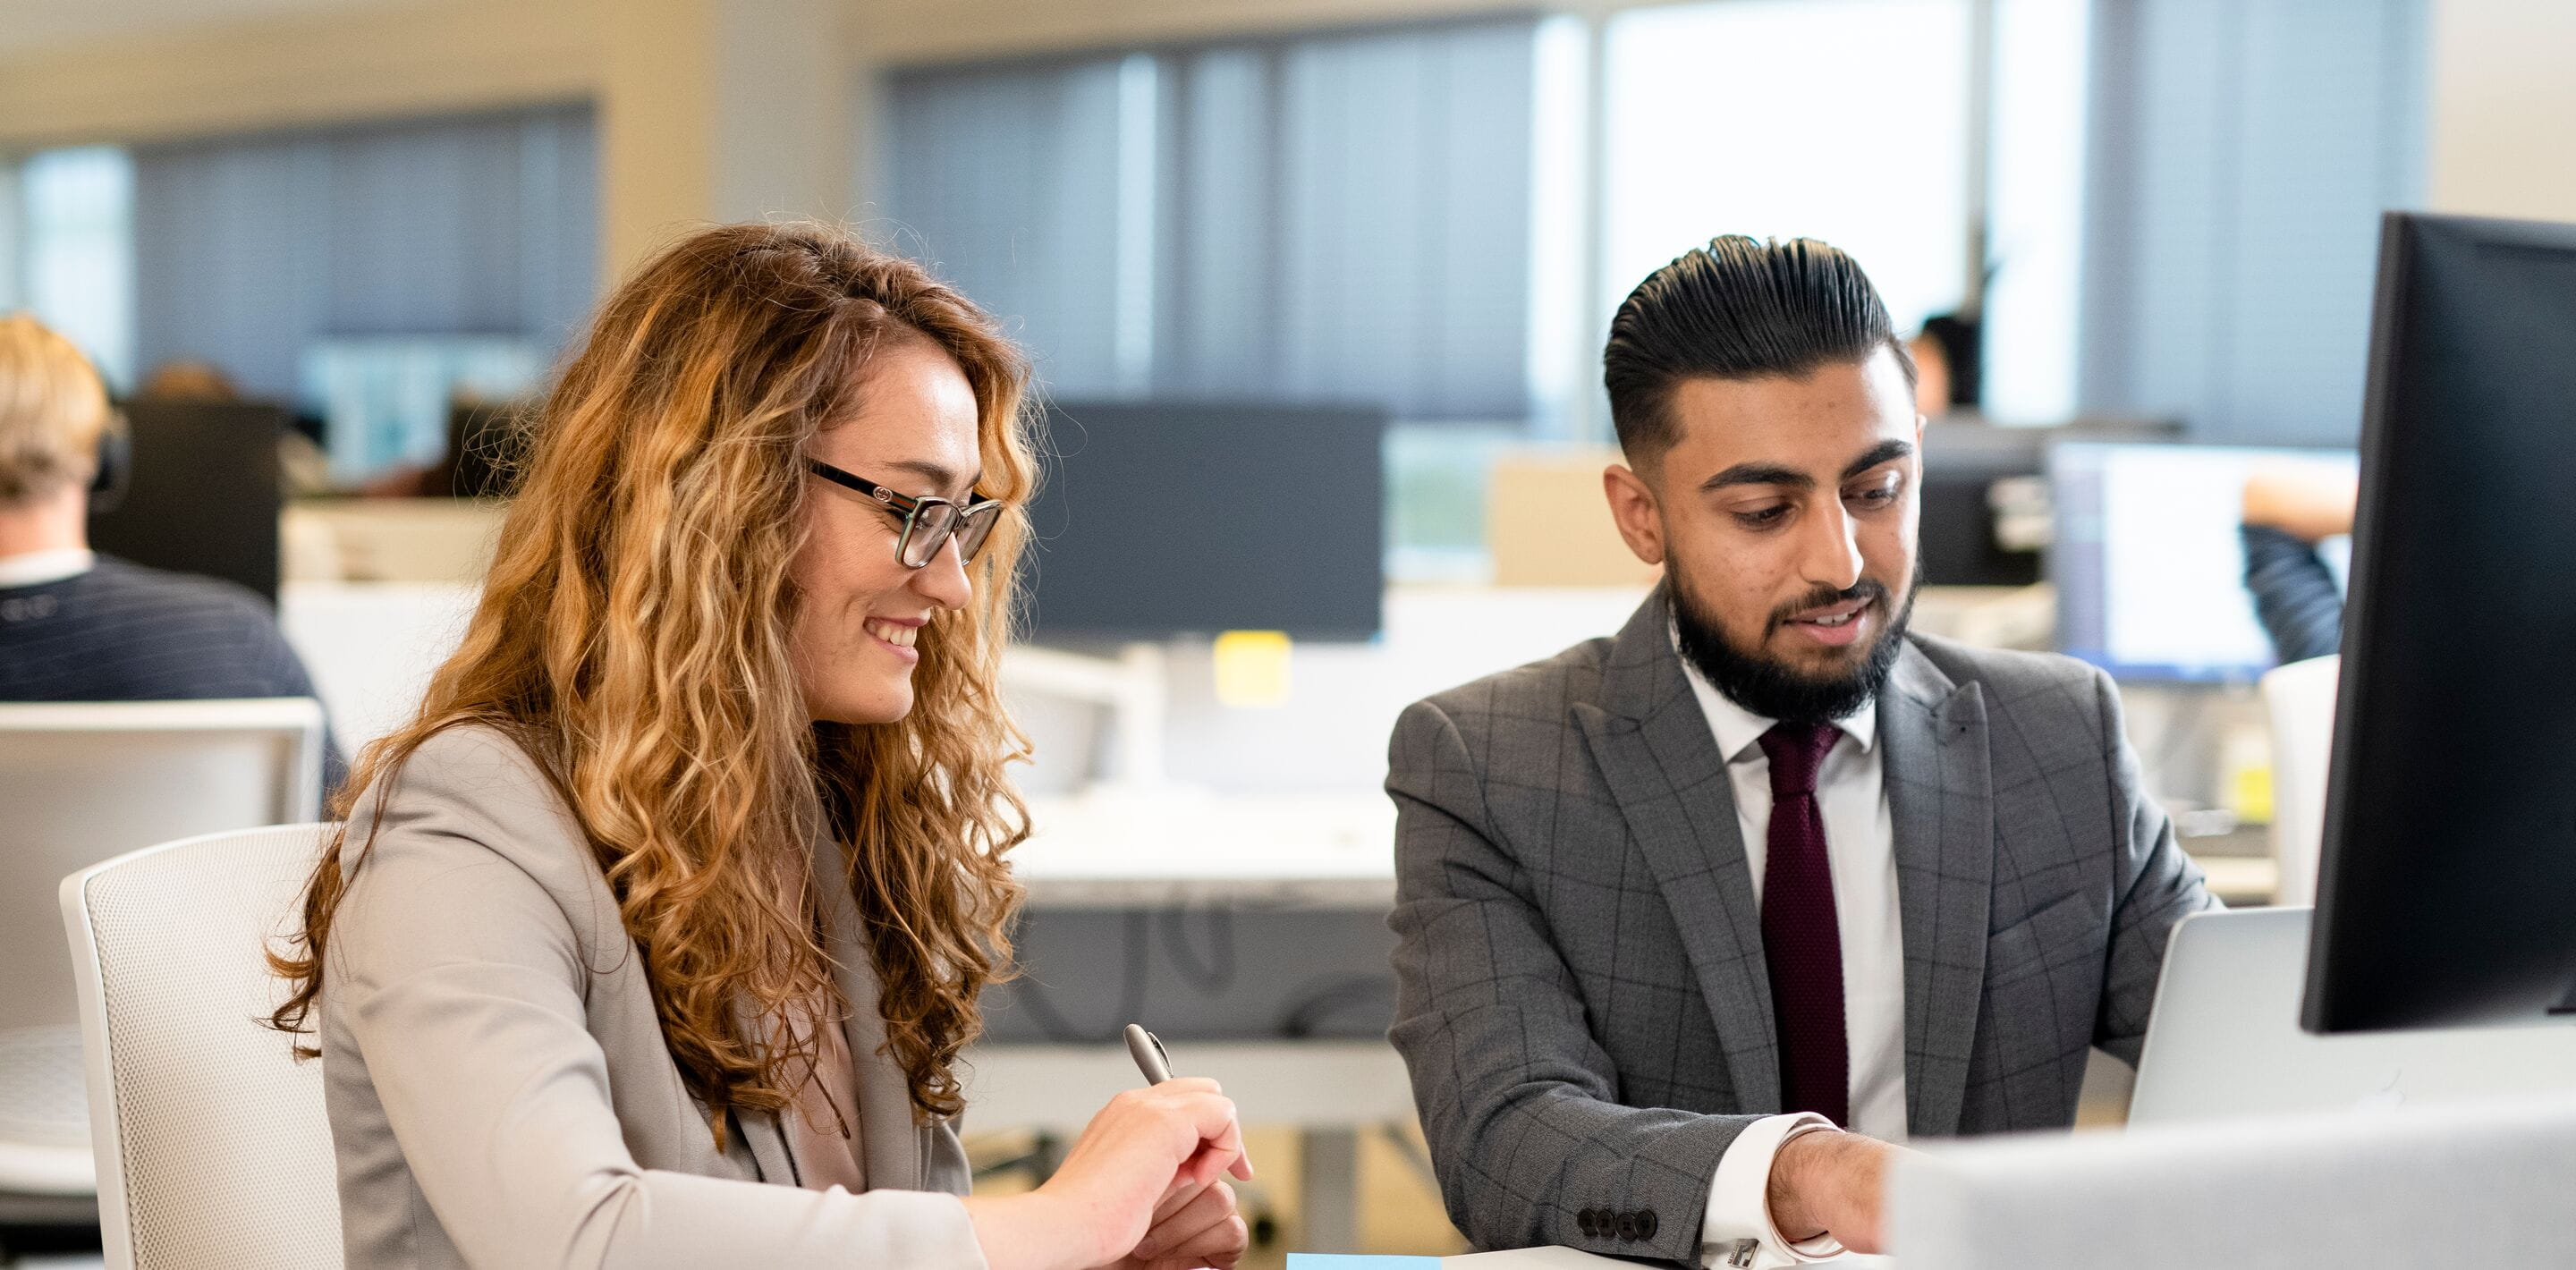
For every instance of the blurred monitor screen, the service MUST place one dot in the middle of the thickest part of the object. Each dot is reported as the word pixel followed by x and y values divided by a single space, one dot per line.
pixel 384 400
pixel 202 493
pixel 1165 519
pixel 2149 564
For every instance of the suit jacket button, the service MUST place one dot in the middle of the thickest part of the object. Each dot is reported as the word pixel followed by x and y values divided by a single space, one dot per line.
pixel 1646 1223
pixel 1628 1227
pixel 1584 1221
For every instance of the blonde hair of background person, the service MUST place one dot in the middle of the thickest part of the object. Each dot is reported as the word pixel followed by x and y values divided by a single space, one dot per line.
pixel 52 411
pixel 676 631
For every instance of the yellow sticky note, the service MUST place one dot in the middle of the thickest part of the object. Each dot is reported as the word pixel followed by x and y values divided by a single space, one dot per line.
pixel 1252 668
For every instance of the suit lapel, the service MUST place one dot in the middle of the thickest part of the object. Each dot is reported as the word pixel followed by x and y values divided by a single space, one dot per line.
pixel 890 1141
pixel 1941 802
pixel 1654 748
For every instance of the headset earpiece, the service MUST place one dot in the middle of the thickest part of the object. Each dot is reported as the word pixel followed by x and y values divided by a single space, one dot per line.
pixel 115 466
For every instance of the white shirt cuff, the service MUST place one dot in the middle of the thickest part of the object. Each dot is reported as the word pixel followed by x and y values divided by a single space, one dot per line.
pixel 1739 1201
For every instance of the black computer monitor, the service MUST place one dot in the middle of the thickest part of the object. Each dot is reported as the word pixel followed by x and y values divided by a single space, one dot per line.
pixel 203 492
pixel 2447 889
pixel 1164 519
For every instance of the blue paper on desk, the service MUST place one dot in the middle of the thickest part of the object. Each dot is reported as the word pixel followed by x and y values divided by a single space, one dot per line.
pixel 1334 1261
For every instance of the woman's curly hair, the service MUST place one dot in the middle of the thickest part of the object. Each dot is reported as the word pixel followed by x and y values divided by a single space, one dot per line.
pixel 633 635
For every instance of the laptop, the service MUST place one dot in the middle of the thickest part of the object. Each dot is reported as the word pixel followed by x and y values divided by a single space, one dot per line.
pixel 2225 1040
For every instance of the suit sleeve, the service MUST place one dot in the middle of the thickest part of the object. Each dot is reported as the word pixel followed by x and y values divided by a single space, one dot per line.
pixel 1519 1103
pixel 2155 886
pixel 462 980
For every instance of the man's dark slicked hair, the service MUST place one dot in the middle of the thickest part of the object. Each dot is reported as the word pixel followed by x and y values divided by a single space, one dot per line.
pixel 1738 308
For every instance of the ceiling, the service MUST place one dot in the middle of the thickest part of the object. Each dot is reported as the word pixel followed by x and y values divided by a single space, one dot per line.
pixel 33 25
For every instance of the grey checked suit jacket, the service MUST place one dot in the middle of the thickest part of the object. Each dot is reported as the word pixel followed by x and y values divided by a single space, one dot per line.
pixel 1581 996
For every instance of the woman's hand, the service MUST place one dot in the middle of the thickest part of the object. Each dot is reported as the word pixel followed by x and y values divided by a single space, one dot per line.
pixel 1195 1228
pixel 1148 1156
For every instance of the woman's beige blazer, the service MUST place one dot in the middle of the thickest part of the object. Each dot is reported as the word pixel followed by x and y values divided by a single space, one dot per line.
pixel 499 1092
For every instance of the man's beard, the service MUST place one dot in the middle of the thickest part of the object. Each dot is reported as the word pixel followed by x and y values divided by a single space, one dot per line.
pixel 1776 691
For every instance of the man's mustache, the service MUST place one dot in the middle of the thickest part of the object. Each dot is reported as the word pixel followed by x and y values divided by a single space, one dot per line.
pixel 1869 589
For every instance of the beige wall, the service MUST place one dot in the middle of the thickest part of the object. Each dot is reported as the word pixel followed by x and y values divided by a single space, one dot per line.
pixel 439 55
pixel 945 30
pixel 328 68
pixel 708 109
pixel 2503 123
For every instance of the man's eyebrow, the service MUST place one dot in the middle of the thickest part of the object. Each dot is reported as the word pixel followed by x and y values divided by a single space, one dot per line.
pixel 1758 474
pixel 1883 452
pixel 942 478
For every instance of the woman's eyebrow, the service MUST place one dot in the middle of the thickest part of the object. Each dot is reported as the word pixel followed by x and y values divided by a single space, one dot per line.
pixel 942 477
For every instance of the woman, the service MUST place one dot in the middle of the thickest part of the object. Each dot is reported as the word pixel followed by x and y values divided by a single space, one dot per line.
pixel 654 939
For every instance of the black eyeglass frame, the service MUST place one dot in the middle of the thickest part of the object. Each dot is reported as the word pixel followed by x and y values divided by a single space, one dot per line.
pixel 974 520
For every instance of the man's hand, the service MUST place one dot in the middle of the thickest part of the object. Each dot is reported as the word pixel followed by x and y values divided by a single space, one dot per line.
pixel 1832 1184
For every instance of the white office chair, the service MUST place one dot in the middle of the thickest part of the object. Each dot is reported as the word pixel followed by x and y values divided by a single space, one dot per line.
pixel 2301 700
pixel 210 1138
pixel 83 782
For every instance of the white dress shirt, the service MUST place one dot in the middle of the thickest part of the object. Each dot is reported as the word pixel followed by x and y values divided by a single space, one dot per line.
pixel 1860 848
pixel 30 568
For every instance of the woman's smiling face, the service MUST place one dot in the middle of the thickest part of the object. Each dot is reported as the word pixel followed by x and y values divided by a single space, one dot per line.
pixel 862 611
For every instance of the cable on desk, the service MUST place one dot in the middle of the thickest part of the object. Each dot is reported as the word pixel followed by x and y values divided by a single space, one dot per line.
pixel 1136 950
pixel 1217 975
pixel 1309 1008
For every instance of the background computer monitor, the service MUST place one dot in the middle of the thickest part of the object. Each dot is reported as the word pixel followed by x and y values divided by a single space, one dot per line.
pixel 203 492
pixel 1167 519
pixel 2149 563
pixel 1965 462
pixel 2447 886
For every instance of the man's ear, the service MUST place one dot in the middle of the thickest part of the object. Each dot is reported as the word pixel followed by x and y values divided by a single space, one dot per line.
pixel 1632 508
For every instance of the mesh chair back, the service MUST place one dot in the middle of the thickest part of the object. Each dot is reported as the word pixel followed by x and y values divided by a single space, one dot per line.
pixel 210 1138
pixel 86 781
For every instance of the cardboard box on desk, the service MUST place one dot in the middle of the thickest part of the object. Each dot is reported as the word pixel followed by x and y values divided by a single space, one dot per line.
pixel 1547 523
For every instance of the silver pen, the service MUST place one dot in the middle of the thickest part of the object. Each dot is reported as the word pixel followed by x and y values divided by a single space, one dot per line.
pixel 1148 1053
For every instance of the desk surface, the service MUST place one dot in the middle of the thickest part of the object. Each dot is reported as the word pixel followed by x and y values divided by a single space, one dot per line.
pixel 1125 850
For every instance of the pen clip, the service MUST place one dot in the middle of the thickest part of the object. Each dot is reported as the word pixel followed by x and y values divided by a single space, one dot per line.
pixel 1159 1051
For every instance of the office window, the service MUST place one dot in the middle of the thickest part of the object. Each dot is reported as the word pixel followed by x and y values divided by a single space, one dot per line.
pixel 2035 209
pixel 1340 217
pixel 67 238
pixel 1006 180
pixel 1845 120
pixel 2241 155
pixel 251 251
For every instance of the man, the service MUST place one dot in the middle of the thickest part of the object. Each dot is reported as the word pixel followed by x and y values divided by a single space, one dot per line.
pixel 1694 921
pixel 75 626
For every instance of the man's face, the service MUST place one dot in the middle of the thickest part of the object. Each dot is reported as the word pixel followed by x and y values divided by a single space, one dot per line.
pixel 1784 514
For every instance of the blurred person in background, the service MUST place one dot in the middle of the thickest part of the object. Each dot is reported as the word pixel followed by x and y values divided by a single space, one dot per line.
pixel 305 470
pixel 2289 510
pixel 1948 364
pixel 79 626
pixel 654 939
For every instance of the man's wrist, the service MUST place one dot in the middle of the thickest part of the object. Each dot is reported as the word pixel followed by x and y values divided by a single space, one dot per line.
pixel 1796 1183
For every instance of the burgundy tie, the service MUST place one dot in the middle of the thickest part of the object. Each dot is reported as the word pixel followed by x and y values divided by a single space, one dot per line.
pixel 1799 938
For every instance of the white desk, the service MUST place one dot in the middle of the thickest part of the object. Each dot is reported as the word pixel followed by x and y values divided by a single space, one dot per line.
pixel 1192 847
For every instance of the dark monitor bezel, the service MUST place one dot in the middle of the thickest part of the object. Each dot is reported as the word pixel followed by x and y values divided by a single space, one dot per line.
pixel 2371 961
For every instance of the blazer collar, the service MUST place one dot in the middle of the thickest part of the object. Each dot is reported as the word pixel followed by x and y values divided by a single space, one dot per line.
pixel 1940 799
pixel 892 1144
pixel 1652 744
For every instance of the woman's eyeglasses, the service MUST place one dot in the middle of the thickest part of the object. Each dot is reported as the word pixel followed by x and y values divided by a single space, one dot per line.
pixel 928 521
